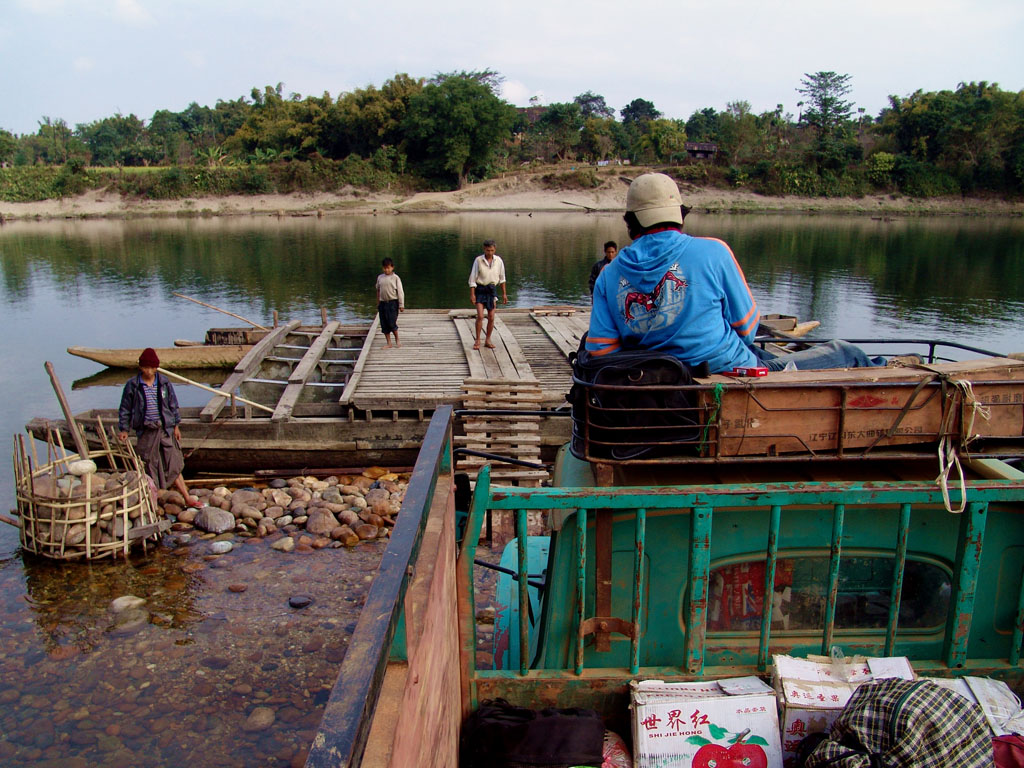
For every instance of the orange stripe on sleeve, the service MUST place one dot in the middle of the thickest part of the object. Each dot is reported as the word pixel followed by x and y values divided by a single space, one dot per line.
pixel 607 350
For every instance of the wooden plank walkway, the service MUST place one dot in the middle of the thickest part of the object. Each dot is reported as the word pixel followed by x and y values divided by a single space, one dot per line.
pixel 437 356
pixel 290 368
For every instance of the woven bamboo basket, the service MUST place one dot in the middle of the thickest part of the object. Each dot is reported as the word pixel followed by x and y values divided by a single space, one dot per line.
pixel 69 513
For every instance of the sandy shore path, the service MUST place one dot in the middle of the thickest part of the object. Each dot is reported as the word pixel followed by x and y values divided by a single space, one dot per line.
pixel 522 192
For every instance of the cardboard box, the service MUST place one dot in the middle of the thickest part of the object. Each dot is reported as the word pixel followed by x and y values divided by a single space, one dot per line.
pixel 813 691
pixel 696 725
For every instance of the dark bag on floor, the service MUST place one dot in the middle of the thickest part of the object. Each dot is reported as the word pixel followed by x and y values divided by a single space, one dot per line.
pixel 502 735
pixel 620 416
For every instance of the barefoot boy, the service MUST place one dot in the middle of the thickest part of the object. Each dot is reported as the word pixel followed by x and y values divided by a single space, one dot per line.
pixel 390 300
pixel 487 275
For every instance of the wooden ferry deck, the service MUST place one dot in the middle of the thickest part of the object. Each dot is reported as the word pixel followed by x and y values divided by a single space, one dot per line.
pixel 437 359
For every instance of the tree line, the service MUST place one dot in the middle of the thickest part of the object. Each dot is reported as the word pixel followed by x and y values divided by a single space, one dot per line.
pixel 452 128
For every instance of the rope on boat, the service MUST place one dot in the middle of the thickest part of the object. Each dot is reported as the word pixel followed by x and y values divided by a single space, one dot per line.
pixel 716 395
pixel 948 456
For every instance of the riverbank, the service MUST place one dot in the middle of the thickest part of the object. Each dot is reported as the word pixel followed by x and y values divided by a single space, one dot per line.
pixel 514 193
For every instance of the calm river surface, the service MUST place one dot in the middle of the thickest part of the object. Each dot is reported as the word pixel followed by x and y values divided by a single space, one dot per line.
pixel 75 689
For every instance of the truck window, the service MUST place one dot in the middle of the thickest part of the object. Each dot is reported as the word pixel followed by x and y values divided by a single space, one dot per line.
pixel 801 584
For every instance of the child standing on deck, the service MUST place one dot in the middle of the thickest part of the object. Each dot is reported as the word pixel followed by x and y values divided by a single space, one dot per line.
pixel 390 300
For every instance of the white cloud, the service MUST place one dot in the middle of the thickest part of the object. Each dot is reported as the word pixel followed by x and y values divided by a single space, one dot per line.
pixel 517 93
pixel 197 59
pixel 83 64
pixel 42 7
pixel 132 12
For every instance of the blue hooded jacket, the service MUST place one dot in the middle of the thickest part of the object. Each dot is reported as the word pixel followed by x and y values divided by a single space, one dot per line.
pixel 681 295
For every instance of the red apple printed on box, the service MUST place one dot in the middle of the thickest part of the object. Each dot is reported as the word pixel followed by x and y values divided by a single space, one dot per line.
pixel 745 751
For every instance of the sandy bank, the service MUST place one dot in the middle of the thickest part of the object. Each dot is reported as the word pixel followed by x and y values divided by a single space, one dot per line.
pixel 513 193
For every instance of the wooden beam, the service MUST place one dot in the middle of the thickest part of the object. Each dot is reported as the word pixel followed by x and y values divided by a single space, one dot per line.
pixel 563 338
pixel 302 372
pixel 466 326
pixel 245 368
pixel 353 381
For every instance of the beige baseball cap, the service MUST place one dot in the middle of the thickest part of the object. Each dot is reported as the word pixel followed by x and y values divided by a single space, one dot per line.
pixel 654 198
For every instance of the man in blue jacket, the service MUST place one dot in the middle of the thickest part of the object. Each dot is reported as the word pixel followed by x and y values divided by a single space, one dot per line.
pixel 686 296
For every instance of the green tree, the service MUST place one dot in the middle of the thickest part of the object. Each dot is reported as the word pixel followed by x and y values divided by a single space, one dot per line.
pixel 455 125
pixel 664 140
pixel 598 137
pixel 8 146
pixel 703 125
pixel 559 127
pixel 827 107
pixel 367 119
pixel 639 111
pixel 593 105
pixel 118 140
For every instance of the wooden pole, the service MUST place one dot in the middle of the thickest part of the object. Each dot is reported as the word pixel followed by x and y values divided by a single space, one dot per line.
pixel 230 395
pixel 210 306
pixel 76 433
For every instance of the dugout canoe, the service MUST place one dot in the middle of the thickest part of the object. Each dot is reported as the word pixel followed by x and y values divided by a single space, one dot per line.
pixel 199 356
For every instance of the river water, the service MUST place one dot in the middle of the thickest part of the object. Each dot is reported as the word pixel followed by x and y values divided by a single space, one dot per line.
pixel 76 688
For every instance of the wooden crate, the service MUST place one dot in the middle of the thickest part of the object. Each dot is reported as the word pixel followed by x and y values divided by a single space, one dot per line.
pixel 849 411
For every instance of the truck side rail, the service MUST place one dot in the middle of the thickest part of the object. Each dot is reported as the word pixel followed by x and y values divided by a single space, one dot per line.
pixel 897 500
pixel 385 629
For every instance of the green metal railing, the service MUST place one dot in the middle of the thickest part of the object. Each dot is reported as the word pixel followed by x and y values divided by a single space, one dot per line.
pixel 702 503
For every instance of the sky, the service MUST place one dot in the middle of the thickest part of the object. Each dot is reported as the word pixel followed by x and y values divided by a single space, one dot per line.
pixel 83 60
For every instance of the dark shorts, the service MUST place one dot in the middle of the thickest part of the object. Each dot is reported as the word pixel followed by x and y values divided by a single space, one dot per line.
pixel 487 295
pixel 388 311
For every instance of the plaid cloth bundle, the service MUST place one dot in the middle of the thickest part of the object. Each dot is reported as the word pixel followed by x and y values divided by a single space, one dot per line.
pixel 906 724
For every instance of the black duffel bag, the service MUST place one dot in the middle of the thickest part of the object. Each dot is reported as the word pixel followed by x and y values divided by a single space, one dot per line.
pixel 629 405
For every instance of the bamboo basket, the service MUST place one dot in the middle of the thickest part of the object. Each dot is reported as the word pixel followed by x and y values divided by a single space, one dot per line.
pixel 64 516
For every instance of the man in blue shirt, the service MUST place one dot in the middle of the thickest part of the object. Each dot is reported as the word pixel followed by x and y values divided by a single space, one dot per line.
pixel 686 296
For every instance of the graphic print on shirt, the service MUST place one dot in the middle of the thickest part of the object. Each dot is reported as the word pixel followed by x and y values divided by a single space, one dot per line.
pixel 660 307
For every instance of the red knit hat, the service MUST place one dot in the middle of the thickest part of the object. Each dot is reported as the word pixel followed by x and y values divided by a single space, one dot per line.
pixel 148 358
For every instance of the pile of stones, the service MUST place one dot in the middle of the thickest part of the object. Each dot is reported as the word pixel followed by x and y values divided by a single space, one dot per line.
pixel 334 511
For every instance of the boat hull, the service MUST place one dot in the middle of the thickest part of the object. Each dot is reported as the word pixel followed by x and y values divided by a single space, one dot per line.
pixel 200 356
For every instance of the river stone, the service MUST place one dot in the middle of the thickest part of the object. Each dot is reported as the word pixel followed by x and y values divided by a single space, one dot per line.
pixel 287 544
pixel 273 512
pixel 282 521
pixel 348 517
pixel 376 494
pixel 345 535
pixel 363 482
pixel 173 497
pixel 246 511
pixel 359 502
pixel 245 497
pixel 280 498
pixel 352 490
pixel 130 621
pixel 332 495
pixel 126 602
pixel 278 482
pixel 265 527
pixel 300 494
pixel 259 719
pixel 76 534
pixel 299 601
pixel 220 547
pixel 214 520
pixel 366 531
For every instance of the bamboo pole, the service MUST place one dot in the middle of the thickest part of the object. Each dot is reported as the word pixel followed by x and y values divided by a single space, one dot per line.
pixel 76 433
pixel 210 306
pixel 231 395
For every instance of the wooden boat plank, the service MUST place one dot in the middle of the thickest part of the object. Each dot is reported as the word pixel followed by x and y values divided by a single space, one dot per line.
pixel 557 334
pixel 467 328
pixel 353 380
pixel 302 372
pixel 246 367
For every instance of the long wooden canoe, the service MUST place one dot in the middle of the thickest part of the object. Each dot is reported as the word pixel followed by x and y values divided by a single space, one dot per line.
pixel 200 356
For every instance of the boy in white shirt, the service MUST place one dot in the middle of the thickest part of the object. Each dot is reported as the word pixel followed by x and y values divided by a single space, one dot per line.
pixel 390 300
